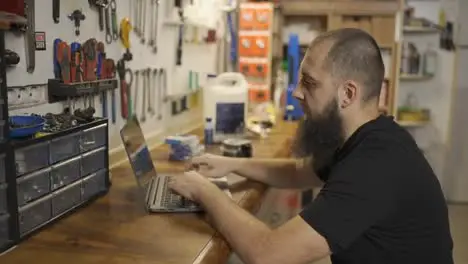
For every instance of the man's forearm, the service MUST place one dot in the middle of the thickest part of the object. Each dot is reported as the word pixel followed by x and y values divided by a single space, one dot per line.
pixel 279 173
pixel 244 233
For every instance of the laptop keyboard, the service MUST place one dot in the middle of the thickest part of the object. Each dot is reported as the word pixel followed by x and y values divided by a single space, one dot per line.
pixel 171 199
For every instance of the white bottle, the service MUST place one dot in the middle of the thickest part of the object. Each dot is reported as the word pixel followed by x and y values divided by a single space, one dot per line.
pixel 430 61
pixel 279 88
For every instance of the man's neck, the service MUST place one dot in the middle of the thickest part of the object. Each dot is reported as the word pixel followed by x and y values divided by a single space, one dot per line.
pixel 357 120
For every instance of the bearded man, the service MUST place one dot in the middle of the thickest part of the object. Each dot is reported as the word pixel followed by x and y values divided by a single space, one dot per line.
pixel 380 203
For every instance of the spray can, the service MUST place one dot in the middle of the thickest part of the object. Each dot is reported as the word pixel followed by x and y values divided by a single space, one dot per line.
pixel 208 131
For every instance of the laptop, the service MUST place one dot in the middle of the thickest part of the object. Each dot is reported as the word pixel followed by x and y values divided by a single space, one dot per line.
pixel 158 197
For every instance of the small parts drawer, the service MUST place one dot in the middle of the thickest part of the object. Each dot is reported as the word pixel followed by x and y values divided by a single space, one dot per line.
pixel 94 184
pixel 66 198
pixel 3 199
pixel 93 161
pixel 31 158
pixel 33 186
pixel 64 147
pixel 34 215
pixel 2 168
pixel 93 138
pixel 4 230
pixel 65 172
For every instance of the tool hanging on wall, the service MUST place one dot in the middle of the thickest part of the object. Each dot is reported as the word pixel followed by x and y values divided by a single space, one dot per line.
pixel 108 25
pixel 155 86
pixel 77 16
pixel 154 25
pixel 76 62
pixel 232 35
pixel 101 75
pixel 115 27
pixel 56 11
pixel 90 59
pixel 100 5
pixel 125 28
pixel 125 86
pixel 150 90
pixel 178 5
pixel 145 88
pixel 125 100
pixel 29 36
pixel 143 21
pixel 136 73
pixel 162 91
pixel 136 16
pixel 64 58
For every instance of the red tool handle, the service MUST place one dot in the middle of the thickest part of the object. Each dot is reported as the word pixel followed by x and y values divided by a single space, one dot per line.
pixel 123 99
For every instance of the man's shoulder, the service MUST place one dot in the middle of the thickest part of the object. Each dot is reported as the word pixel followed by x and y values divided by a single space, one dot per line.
pixel 381 152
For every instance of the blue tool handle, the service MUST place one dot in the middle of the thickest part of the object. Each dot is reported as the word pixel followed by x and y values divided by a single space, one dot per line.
pixel 233 52
pixel 56 63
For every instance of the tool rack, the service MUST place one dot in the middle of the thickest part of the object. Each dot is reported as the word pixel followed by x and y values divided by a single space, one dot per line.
pixel 59 91
pixel 44 179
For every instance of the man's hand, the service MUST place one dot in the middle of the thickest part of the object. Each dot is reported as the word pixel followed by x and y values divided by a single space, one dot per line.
pixel 214 166
pixel 190 185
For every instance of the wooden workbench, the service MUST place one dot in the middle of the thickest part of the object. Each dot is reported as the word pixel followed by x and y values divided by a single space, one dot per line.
pixel 116 229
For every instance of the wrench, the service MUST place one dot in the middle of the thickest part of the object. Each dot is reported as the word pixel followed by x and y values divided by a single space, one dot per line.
pixel 136 17
pixel 145 88
pixel 151 39
pixel 143 21
pixel 115 27
pixel 137 87
pixel 155 33
pixel 158 90
pixel 108 25
pixel 149 88
pixel 162 91
pixel 101 5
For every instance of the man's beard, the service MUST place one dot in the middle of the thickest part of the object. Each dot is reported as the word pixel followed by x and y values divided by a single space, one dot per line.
pixel 320 137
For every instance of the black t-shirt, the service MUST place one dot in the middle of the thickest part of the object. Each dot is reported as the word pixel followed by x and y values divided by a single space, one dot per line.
pixel 381 202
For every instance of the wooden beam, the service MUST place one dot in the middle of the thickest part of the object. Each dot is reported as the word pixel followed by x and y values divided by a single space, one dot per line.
pixel 308 7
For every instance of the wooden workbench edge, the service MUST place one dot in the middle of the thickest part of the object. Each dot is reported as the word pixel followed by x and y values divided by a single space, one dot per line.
pixel 217 250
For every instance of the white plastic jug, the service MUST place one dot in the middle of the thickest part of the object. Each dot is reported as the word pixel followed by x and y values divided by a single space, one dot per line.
pixel 225 101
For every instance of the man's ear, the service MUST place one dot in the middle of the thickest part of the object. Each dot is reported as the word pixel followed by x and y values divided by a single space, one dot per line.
pixel 347 93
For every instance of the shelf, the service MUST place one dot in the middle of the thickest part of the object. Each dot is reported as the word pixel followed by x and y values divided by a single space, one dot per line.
pixel 415 77
pixel 58 91
pixel 412 123
pixel 416 29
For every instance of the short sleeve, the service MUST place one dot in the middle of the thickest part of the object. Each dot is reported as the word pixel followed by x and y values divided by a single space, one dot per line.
pixel 359 193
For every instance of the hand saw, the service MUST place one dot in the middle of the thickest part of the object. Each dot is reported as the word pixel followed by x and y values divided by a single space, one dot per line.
pixel 29 37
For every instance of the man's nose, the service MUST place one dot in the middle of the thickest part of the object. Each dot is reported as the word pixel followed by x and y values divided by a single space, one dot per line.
pixel 297 93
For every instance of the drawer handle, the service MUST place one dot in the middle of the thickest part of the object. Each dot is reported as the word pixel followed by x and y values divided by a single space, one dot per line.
pixel 89 143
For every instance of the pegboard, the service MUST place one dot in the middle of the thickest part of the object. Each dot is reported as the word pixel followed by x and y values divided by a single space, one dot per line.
pixel 200 58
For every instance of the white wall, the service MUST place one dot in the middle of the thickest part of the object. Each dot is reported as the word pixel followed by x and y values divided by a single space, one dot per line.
pixel 434 94
pixel 197 57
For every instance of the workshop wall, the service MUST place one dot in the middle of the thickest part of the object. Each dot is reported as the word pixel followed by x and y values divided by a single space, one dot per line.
pixel 434 93
pixel 201 58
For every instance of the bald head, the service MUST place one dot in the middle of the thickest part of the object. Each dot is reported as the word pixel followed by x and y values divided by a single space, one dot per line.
pixel 351 54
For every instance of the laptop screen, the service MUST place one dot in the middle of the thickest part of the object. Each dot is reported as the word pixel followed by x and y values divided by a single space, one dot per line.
pixel 138 152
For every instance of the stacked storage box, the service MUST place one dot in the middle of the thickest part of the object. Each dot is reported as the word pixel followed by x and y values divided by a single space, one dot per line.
pixel 59 172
